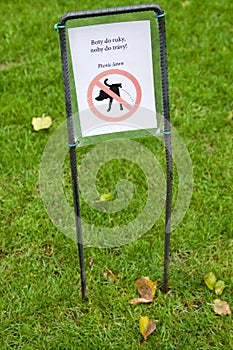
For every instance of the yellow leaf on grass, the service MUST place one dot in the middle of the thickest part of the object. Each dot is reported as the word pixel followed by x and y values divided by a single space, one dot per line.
pixel 107 197
pixel 219 287
pixel 221 307
pixel 230 117
pixel 146 326
pixel 41 123
pixel 185 3
pixel 210 280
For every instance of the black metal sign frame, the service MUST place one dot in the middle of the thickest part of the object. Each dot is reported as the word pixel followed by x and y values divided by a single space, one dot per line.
pixel 72 142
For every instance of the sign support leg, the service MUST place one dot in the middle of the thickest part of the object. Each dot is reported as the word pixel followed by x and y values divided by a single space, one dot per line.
pixel 78 223
pixel 72 145
pixel 168 147
pixel 168 212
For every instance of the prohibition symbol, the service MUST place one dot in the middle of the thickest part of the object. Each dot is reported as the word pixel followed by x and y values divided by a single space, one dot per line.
pixel 113 94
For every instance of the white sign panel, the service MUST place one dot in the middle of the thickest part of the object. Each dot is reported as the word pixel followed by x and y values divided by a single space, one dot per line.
pixel 113 74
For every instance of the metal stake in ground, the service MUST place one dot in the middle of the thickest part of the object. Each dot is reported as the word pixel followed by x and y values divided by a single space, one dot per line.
pixel 72 145
pixel 77 212
pixel 168 147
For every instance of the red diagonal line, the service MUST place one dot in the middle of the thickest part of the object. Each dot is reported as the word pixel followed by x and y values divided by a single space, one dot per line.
pixel 113 95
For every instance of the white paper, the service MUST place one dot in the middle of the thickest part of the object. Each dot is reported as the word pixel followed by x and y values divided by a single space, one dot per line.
pixel 117 59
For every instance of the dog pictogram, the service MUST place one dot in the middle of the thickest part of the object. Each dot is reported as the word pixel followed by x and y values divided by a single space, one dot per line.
pixel 104 95
pixel 112 92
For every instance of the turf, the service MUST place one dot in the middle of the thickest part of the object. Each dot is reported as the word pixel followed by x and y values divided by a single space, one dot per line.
pixel 41 307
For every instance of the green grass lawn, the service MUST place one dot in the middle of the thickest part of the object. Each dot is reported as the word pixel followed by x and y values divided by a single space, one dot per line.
pixel 41 305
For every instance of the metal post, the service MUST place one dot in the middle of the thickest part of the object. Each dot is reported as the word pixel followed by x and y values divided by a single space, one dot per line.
pixel 73 165
pixel 168 148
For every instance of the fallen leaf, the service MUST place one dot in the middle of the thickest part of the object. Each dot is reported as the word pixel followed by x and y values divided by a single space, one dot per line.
pixel 47 249
pixel 107 197
pixel 146 287
pixel 185 3
pixel 219 287
pixel 41 123
pixel 210 280
pixel 108 273
pixel 8 65
pixel 230 117
pixel 91 261
pixel 221 307
pixel 140 300
pixel 146 326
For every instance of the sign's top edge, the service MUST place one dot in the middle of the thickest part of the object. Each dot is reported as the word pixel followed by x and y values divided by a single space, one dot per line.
pixel 111 11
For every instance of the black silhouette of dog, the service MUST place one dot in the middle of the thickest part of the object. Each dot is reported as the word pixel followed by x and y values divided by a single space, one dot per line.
pixel 103 95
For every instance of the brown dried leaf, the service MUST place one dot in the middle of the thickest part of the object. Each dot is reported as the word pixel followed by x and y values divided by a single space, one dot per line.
pixel 91 261
pixel 146 326
pixel 108 273
pixel 221 307
pixel 146 287
pixel 140 300
pixel 8 65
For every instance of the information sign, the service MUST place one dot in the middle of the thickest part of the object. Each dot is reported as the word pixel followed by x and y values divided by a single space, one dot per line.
pixel 113 74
